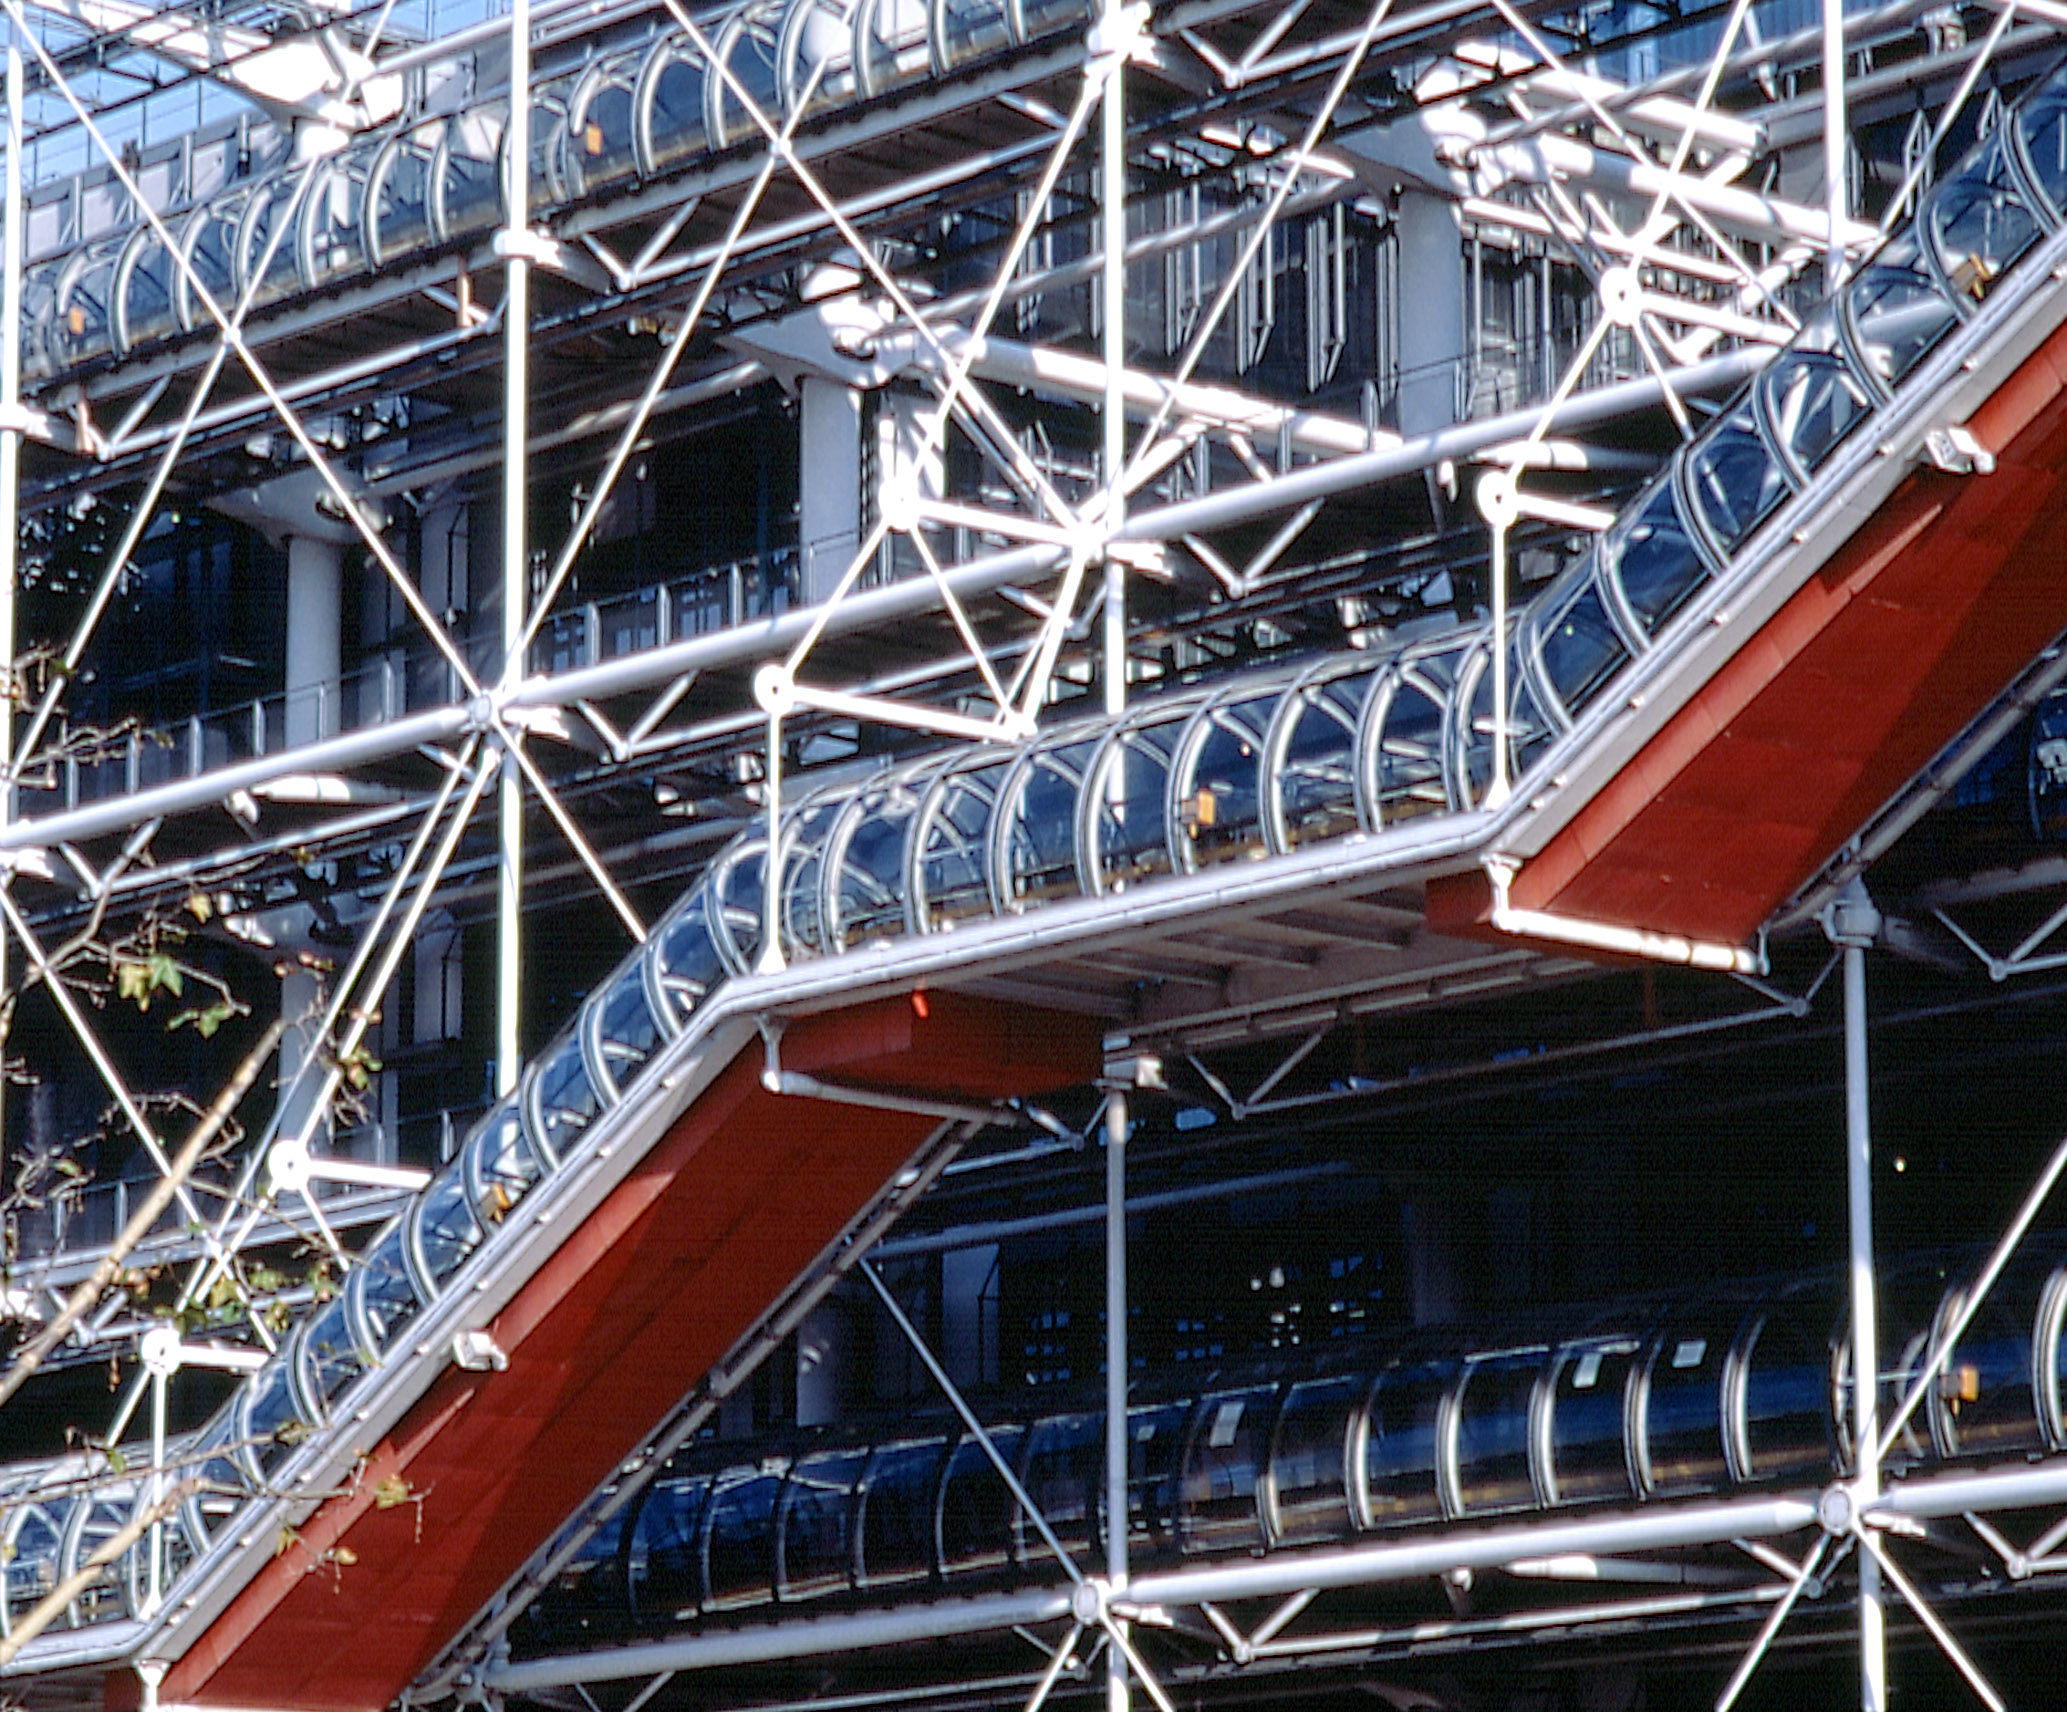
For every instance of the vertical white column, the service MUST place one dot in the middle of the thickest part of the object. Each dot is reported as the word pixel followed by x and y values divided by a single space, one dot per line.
pixel 10 438
pixel 1112 211
pixel 509 974
pixel 1432 299
pixel 315 612
pixel 829 482
pixel 1835 199
pixel 1112 214
pixel 1116 1692
pixel 821 1364
pixel 1853 924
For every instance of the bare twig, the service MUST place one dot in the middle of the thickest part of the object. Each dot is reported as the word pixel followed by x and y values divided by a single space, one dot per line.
pixel 147 1214
pixel 52 1605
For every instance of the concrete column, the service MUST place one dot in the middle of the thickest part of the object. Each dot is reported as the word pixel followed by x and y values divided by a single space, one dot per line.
pixel 968 1335
pixel 315 568
pixel 315 579
pixel 822 1355
pixel 1433 307
pixel 1434 1284
pixel 829 523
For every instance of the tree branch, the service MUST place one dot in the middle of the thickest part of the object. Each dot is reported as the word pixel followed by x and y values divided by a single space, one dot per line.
pixel 52 1605
pixel 147 1214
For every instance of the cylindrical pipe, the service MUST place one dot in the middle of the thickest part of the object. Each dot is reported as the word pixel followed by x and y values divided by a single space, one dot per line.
pixel 1116 1336
pixel 515 557
pixel 1834 144
pixel 10 443
pixel 1116 1688
pixel 1853 925
pixel 804 1638
pixel 1112 210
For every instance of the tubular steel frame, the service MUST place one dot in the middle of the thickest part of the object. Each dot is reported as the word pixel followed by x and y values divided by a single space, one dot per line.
pixel 480 739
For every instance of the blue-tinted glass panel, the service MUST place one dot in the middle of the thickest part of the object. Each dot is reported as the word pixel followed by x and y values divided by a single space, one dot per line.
pixel 1652 559
pixel 1405 732
pixel 1898 312
pixel 1041 837
pixel 1788 1396
pixel 818 1524
pixel 977 1509
pixel 399 200
pixel 1309 1461
pixel 664 1556
pixel 672 96
pixel 446 1229
pixel 1681 1420
pixel 1813 402
pixel 739 1544
pixel 604 148
pixel 1979 222
pixel 469 172
pixel 1314 778
pixel 1580 648
pixel 382 1297
pixel 29 1568
pixel 330 1354
pixel 1587 1410
pixel 626 1029
pixel 1130 836
pixel 1400 1445
pixel 1155 1468
pixel 563 1099
pixel 897 1502
pixel 2042 129
pixel 148 310
pixel 1493 1434
pixel 1221 806
pixel 1735 482
pixel 687 958
pixel 269 1420
pixel 954 847
pixel 1063 1475
pixel 1217 1504
pixel 500 1164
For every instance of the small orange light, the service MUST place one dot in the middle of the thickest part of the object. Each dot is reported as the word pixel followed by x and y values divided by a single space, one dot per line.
pixel 919 1007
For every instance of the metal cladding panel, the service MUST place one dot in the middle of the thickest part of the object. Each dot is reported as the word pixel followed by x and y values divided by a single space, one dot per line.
pixel 1870 668
pixel 736 1200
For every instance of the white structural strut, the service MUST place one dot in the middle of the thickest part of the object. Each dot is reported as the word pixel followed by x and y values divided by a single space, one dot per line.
pixel 870 608
pixel 1065 374
pixel 516 565
pixel 1748 213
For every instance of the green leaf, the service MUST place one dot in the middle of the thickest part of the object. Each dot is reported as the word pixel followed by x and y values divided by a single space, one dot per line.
pixel 165 973
pixel 199 907
pixel 133 981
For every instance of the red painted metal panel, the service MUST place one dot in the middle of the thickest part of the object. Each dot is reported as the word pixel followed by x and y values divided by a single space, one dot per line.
pixel 1845 694
pixel 732 1204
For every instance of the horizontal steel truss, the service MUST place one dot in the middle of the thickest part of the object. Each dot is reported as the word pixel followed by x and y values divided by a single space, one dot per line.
pixel 1579 1547
pixel 1270 497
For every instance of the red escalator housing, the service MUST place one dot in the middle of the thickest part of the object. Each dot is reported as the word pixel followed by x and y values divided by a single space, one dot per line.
pixel 730 1206
pixel 1911 630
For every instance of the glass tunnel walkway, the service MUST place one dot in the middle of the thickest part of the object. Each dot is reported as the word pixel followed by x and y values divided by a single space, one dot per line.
pixel 1708 1395
pixel 435 184
pixel 1253 767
